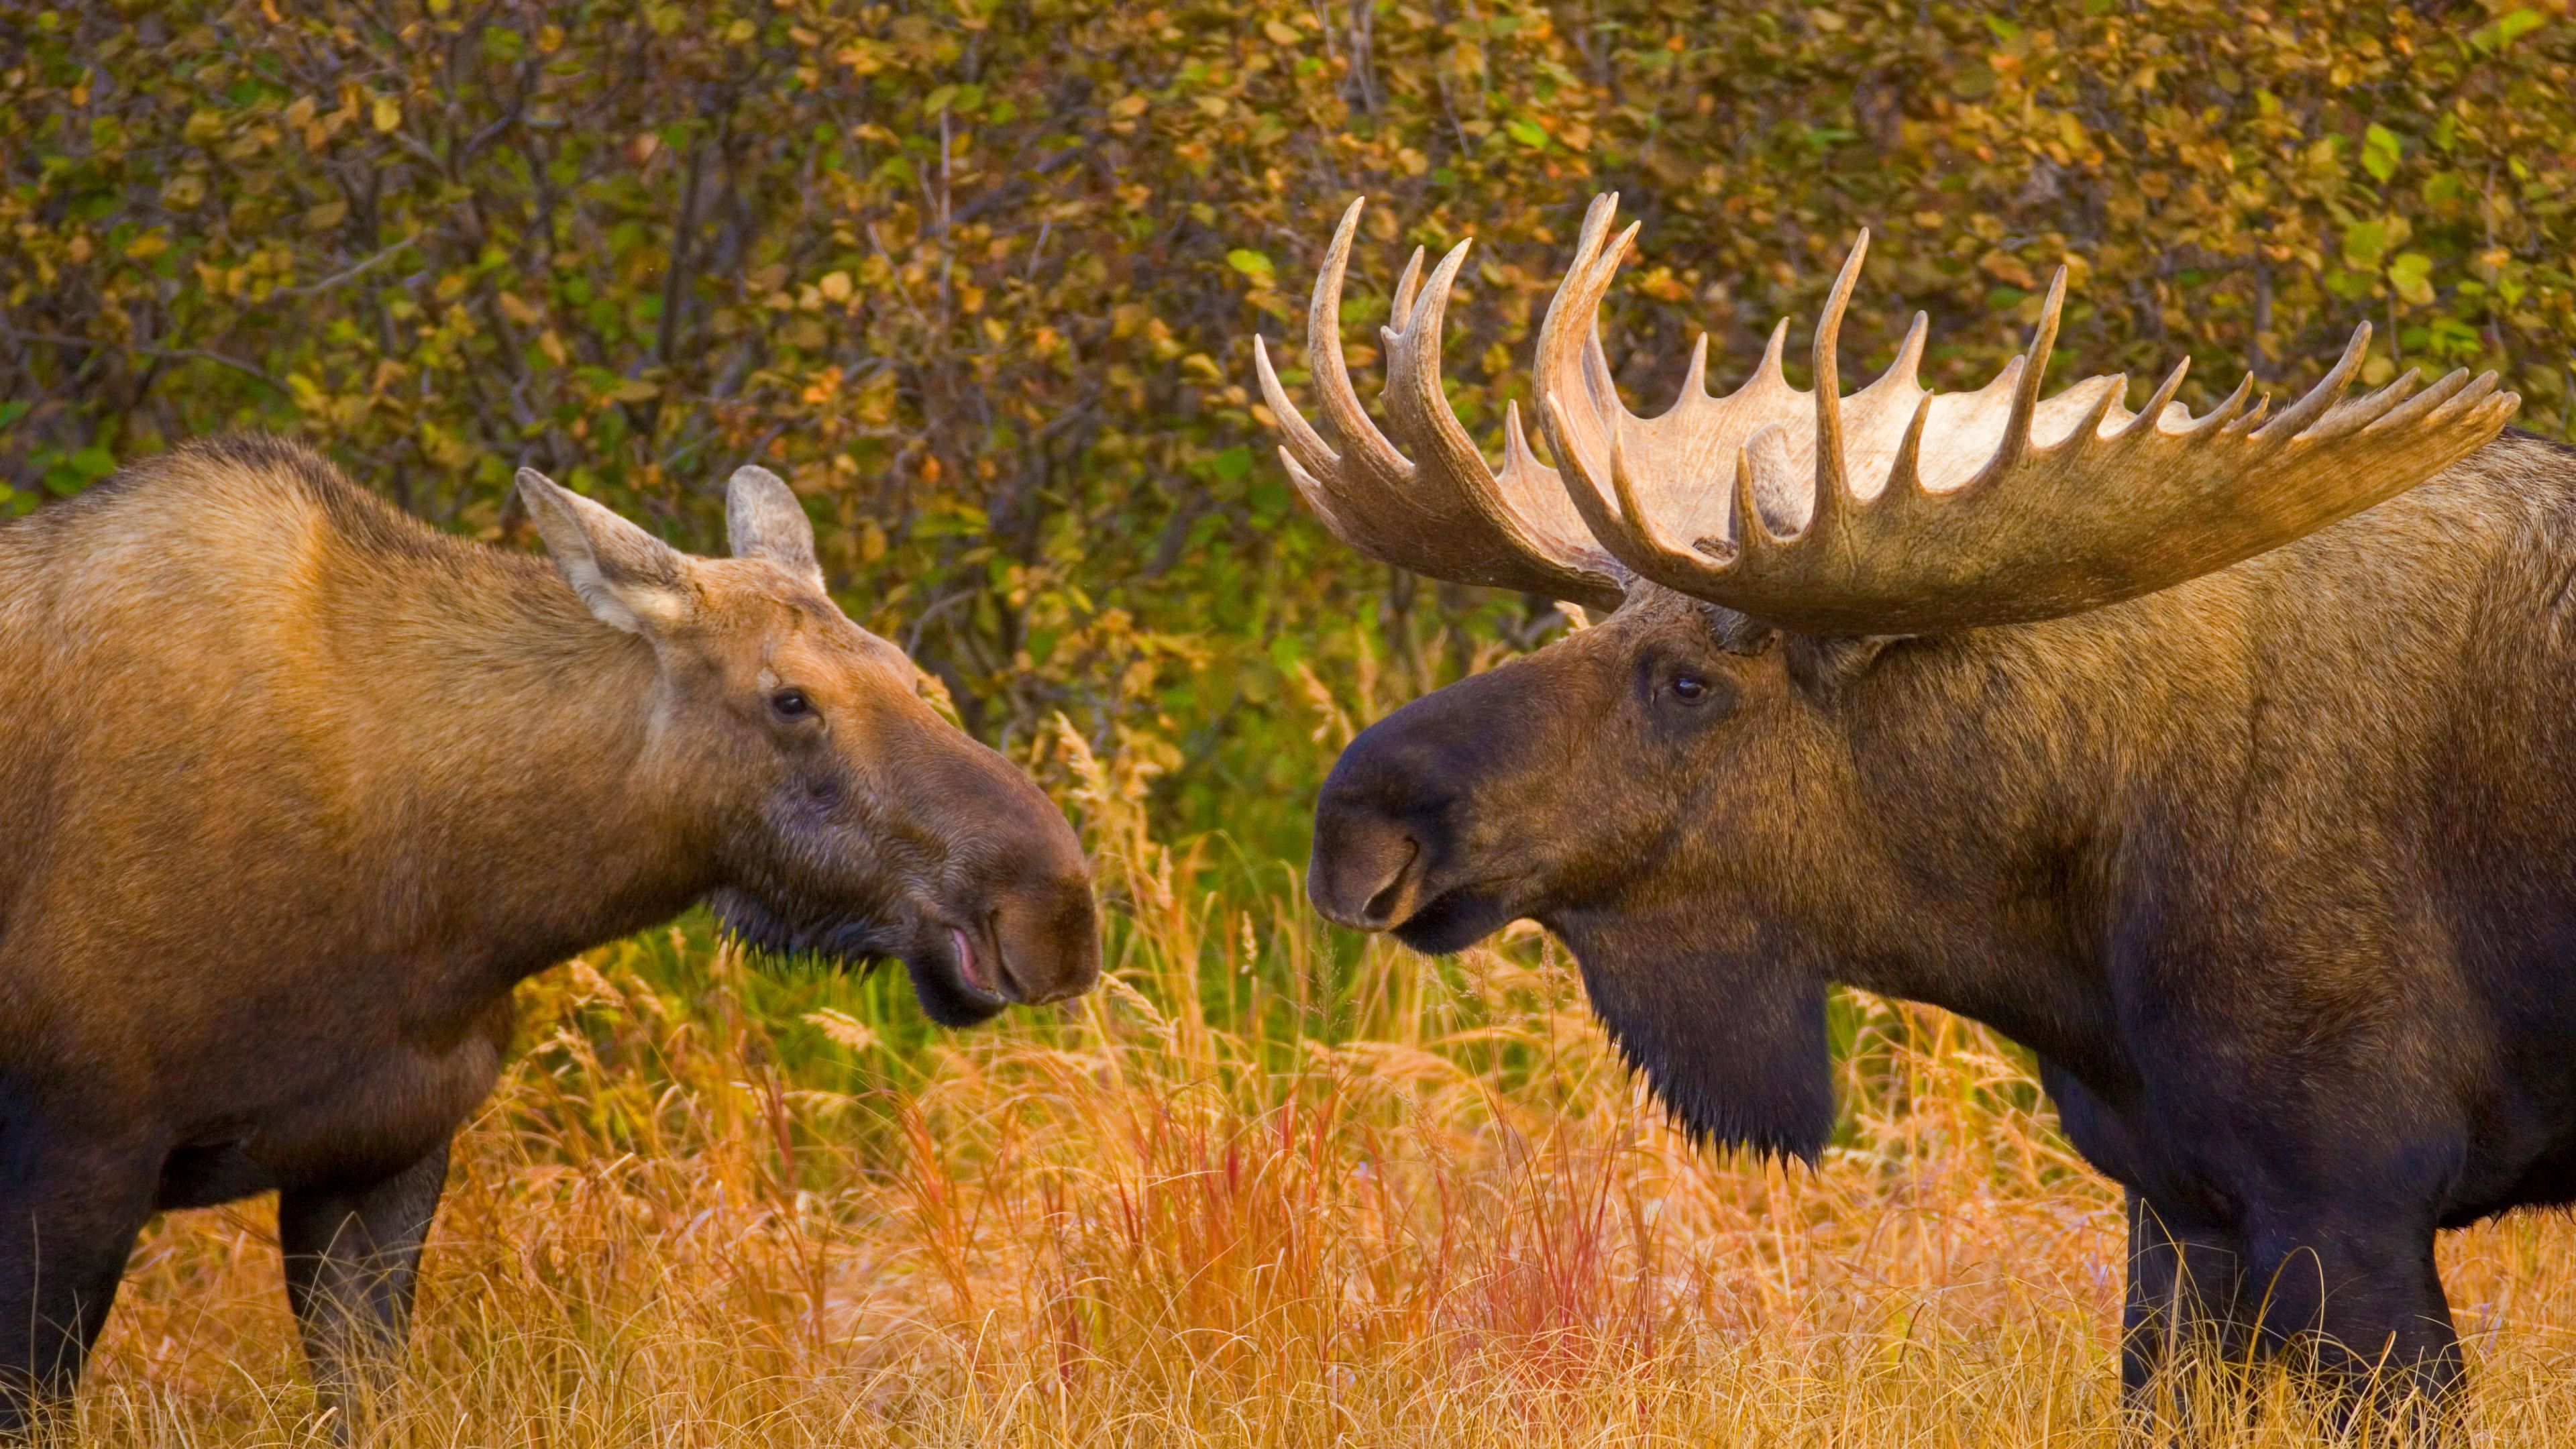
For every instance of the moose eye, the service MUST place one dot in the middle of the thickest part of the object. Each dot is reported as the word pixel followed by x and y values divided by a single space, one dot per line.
pixel 1689 688
pixel 791 704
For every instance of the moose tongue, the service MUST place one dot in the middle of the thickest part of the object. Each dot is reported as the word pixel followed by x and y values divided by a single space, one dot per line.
pixel 966 963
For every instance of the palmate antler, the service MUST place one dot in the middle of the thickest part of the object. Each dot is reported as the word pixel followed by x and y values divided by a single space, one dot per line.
pixel 1449 515
pixel 1897 510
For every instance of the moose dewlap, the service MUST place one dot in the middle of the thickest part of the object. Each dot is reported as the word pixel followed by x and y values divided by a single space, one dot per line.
pixel 2228 763
pixel 293 790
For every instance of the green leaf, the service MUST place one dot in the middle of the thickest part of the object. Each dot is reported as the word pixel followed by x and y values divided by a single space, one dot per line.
pixel 2364 244
pixel 2410 274
pixel 1527 133
pixel 1255 265
pixel 1231 464
pixel 2381 151
pixel 12 411
pixel 2507 29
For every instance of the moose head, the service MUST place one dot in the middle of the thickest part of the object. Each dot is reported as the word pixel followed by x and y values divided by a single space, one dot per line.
pixel 839 813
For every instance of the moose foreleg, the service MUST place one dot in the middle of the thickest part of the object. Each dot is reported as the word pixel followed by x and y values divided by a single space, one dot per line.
pixel 69 1210
pixel 2362 1309
pixel 352 1260
pixel 2187 1326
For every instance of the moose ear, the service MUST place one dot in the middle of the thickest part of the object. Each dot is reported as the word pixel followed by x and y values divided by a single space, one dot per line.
pixel 763 520
pixel 628 577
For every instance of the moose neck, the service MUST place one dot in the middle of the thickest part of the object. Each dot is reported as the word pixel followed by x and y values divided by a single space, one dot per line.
pixel 1977 773
pixel 514 757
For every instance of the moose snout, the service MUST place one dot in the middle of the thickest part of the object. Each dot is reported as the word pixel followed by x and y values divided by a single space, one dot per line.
pixel 1368 877
pixel 1049 939
pixel 1368 865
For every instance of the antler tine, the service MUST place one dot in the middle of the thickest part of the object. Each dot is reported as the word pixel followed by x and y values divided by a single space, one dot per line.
pixel 1567 353
pixel 1516 448
pixel 1752 535
pixel 2025 392
pixel 1909 353
pixel 2362 412
pixel 1406 288
pixel 1905 480
pixel 1427 304
pixel 1309 445
pixel 1420 410
pixel 2217 419
pixel 2145 423
pixel 1318 497
pixel 1695 378
pixel 1832 487
pixel 2290 421
pixel 2424 403
pixel 1767 372
pixel 1324 358
pixel 2088 428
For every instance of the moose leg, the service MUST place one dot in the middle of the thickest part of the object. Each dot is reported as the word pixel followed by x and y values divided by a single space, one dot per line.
pixel 2186 1313
pixel 2361 1307
pixel 69 1211
pixel 352 1258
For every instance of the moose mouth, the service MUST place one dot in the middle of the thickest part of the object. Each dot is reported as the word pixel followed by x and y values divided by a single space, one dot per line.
pixel 1455 919
pixel 955 971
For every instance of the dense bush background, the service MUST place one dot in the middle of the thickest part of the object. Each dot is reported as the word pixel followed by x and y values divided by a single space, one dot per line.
pixel 982 281
pixel 982 277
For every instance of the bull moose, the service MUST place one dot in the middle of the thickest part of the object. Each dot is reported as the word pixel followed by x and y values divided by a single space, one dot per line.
pixel 2228 764
pixel 295 789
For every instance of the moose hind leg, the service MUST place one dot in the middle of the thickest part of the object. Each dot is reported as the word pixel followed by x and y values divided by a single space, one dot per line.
pixel 352 1260
pixel 69 1210
pixel 2187 1326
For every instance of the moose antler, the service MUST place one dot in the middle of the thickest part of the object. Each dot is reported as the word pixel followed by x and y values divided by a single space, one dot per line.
pixel 1897 510
pixel 1449 515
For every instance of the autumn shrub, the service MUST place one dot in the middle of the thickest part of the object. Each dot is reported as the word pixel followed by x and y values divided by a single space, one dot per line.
pixel 981 277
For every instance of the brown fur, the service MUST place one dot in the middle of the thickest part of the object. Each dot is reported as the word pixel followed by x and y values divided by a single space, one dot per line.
pixel 294 790
pixel 2275 871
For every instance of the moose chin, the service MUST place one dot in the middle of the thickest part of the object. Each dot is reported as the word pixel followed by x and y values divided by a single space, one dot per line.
pixel 957 981
pixel 2227 762
pixel 296 790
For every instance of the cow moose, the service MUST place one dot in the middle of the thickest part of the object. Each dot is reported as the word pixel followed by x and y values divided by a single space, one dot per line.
pixel 295 789
pixel 2228 764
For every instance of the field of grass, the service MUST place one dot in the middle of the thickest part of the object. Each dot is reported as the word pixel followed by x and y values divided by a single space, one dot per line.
pixel 1254 1192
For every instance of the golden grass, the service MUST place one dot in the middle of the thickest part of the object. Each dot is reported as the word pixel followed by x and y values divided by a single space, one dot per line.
pixel 1225 1201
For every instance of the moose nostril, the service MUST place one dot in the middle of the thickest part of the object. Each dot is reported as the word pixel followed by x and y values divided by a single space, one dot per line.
pixel 1389 899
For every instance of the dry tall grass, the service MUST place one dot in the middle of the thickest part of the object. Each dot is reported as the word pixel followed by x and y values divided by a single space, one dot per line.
pixel 1226 1201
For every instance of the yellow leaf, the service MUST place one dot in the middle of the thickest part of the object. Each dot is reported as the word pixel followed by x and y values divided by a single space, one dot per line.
pixel 836 286
pixel 1280 33
pixel 387 113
